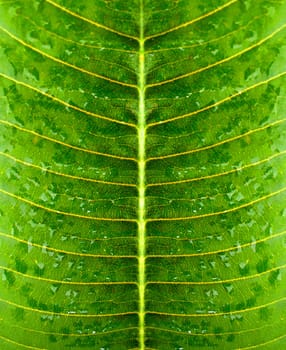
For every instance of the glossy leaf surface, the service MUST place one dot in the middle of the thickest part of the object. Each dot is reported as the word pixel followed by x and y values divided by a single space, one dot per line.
pixel 143 187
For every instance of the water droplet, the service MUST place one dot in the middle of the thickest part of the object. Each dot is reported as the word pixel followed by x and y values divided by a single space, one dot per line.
pixel 54 288
pixel 229 288
pixel 68 52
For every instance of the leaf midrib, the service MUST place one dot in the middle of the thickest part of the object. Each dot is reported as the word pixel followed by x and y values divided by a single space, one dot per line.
pixel 141 129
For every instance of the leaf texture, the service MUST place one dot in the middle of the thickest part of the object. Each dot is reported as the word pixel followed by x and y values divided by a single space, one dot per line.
pixel 143 160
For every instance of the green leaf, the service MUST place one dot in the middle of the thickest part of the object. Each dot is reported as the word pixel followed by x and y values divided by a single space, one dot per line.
pixel 143 159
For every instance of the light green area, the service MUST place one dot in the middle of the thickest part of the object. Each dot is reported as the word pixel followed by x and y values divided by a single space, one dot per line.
pixel 143 174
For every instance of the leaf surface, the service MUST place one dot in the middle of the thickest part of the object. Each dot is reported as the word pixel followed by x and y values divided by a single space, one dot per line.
pixel 142 174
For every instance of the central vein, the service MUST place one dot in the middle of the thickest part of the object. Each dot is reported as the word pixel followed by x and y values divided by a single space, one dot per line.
pixel 141 183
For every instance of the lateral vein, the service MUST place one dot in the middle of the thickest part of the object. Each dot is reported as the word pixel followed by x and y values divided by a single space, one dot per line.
pixel 55 59
pixel 87 20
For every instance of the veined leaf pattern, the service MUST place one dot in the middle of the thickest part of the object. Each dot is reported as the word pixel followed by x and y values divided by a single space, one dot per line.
pixel 143 174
